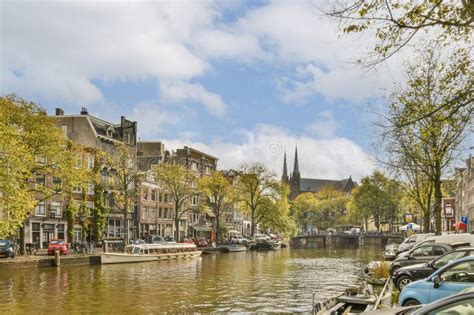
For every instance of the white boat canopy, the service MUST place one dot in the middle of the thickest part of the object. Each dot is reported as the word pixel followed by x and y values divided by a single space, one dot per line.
pixel 414 227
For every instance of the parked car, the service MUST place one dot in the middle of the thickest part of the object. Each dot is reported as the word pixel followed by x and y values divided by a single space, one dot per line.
pixel 261 237
pixel 405 275
pixel 59 245
pixel 7 249
pixel 448 280
pixel 411 241
pixel 460 303
pixel 158 239
pixel 446 239
pixel 353 231
pixel 420 254
pixel 201 242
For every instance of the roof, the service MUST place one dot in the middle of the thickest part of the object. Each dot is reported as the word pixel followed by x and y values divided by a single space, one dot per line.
pixel 315 185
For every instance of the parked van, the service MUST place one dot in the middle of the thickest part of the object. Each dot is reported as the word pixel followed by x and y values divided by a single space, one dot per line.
pixel 408 243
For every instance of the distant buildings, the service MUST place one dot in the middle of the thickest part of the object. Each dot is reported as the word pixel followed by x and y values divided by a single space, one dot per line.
pixel 299 185
pixel 465 192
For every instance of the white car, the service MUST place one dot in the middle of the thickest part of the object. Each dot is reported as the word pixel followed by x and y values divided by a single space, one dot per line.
pixel 239 240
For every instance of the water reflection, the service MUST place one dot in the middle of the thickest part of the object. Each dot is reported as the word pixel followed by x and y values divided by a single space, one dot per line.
pixel 279 281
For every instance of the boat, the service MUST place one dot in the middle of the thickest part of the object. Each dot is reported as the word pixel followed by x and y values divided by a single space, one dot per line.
pixel 210 250
pixel 352 302
pixel 267 245
pixel 150 252
pixel 234 248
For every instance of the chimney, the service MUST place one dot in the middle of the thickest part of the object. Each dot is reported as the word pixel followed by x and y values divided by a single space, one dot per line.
pixel 59 112
pixel 84 111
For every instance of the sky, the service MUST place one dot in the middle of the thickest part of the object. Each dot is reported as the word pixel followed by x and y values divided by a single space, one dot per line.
pixel 242 80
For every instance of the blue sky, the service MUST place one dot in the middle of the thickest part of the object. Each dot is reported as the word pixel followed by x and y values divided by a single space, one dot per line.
pixel 244 81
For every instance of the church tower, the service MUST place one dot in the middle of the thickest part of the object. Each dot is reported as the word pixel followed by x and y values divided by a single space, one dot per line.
pixel 284 176
pixel 295 177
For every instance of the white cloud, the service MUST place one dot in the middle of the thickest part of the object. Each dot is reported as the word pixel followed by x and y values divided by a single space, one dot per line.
pixel 179 91
pixel 331 158
pixel 152 119
pixel 324 126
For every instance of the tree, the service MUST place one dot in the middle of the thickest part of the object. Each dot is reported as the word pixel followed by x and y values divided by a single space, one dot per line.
pixel 330 207
pixel 303 210
pixel 376 198
pixel 428 118
pixel 31 148
pixel 126 179
pixel 218 195
pixel 179 182
pixel 264 198
pixel 395 23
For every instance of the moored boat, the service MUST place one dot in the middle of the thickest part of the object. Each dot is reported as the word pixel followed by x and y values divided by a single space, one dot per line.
pixel 150 252
pixel 234 248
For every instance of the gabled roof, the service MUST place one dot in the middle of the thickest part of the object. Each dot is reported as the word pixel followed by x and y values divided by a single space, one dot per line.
pixel 315 185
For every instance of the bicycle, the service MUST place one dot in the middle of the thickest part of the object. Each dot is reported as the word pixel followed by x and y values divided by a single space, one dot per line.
pixel 31 248
pixel 90 248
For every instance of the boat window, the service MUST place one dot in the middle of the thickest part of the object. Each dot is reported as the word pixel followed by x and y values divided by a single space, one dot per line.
pixel 136 250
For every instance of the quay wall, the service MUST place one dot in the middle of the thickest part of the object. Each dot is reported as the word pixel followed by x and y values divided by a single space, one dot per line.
pixel 41 261
pixel 343 240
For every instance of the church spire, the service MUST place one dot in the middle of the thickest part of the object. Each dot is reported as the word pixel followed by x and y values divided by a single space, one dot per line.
pixel 296 169
pixel 284 176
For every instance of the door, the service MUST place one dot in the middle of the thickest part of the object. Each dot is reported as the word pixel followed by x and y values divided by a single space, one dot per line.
pixel 453 280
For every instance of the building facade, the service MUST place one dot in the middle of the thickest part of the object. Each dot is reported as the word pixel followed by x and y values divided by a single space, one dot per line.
pixel 465 192
pixel 299 185
pixel 93 135
pixel 448 215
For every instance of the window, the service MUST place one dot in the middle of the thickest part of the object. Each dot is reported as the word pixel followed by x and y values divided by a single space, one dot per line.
pixel 90 161
pixel 153 214
pixel 160 213
pixel 78 160
pixel 90 209
pixel 56 209
pixel 153 194
pixel 195 200
pixel 194 166
pixel 160 197
pixel 145 193
pixel 165 198
pixel 77 189
pixel 40 209
pixel 61 232
pixel 57 184
pixel 438 250
pixel 422 251
pixel 459 307
pixel 208 170
pixel 64 129
pixel 447 258
pixel 461 272
pixel 36 230
pixel 40 181
pixel 144 213
pixel 90 189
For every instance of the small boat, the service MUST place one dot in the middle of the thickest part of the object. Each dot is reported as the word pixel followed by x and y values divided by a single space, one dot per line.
pixel 211 250
pixel 268 245
pixel 234 248
pixel 349 303
pixel 150 252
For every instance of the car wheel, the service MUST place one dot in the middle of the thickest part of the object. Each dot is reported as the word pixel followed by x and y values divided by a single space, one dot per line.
pixel 411 302
pixel 402 281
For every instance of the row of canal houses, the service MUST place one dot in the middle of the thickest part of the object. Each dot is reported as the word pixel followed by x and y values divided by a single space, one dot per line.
pixel 153 211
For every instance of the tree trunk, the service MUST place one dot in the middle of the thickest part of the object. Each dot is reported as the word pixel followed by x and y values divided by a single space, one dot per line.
pixel 176 231
pixel 218 231
pixel 426 220
pixel 252 226
pixel 437 202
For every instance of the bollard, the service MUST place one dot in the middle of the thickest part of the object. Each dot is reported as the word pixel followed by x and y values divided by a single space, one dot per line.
pixel 57 258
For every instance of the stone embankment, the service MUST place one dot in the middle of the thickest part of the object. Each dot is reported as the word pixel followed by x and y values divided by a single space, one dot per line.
pixel 38 261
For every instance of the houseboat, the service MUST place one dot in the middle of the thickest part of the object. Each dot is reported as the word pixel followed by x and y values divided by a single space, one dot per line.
pixel 150 252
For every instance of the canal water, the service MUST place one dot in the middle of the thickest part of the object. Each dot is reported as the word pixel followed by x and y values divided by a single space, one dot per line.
pixel 277 281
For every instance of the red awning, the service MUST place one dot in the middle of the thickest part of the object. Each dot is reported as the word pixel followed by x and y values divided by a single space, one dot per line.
pixel 460 225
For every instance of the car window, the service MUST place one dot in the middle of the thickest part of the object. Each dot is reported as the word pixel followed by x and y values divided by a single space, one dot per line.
pixel 458 307
pixel 438 250
pixel 448 258
pixel 422 251
pixel 3 243
pixel 462 272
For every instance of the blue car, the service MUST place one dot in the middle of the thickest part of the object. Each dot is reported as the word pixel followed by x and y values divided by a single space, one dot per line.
pixel 449 280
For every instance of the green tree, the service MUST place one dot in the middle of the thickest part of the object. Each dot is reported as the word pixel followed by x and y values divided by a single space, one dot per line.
pixel 330 207
pixel 125 180
pixel 31 148
pixel 179 182
pixel 219 196
pixel 303 210
pixel 426 124
pixel 377 198
pixel 395 23
pixel 264 198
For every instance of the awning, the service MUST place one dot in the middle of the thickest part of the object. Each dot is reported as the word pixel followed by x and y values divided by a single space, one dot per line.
pixel 460 225
pixel 202 228
pixel 410 226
